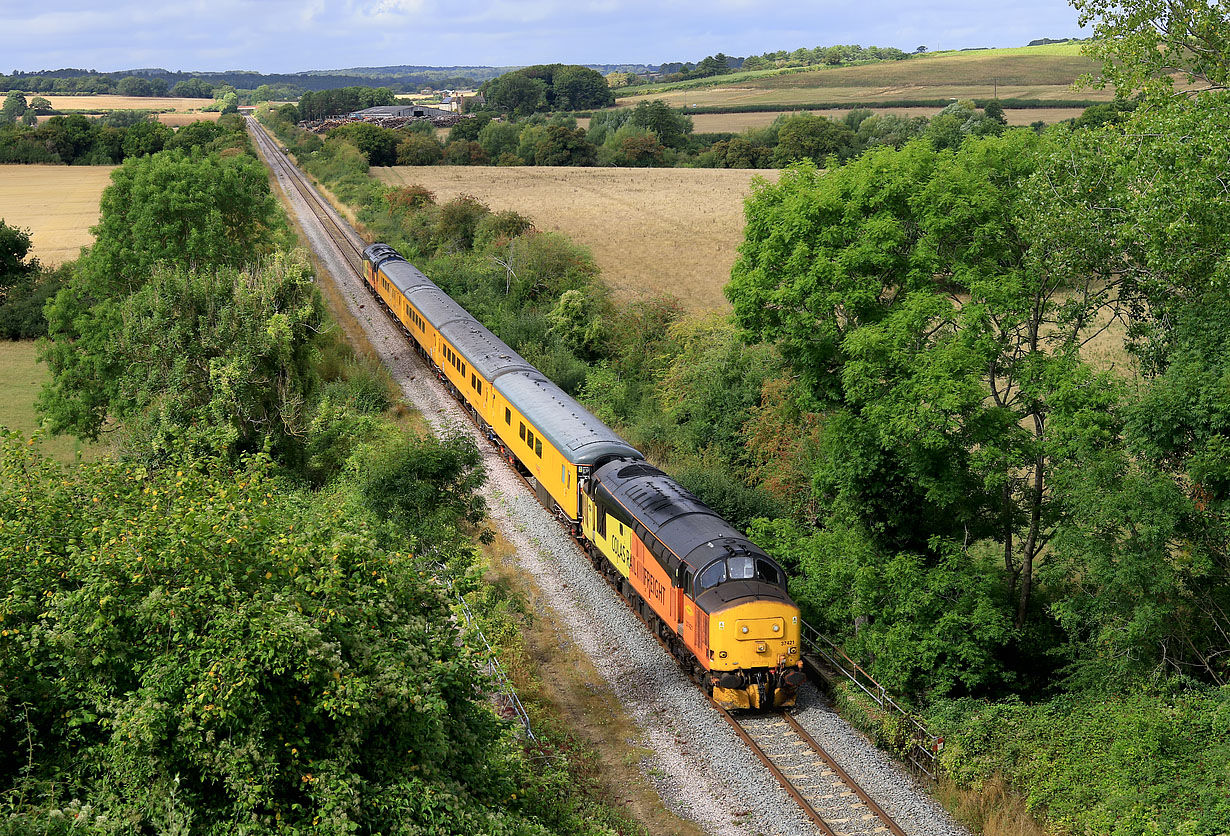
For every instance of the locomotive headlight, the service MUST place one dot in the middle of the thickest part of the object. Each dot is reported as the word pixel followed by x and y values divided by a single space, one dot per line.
pixel 745 629
pixel 722 654
pixel 761 647
pixel 793 651
pixel 777 628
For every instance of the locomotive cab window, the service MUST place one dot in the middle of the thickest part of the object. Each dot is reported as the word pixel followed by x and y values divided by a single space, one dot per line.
pixel 740 568
pixel 767 572
pixel 713 575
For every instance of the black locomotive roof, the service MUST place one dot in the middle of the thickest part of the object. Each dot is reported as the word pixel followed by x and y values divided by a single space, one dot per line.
pixel 379 253
pixel 483 350
pixel 570 427
pixel 681 531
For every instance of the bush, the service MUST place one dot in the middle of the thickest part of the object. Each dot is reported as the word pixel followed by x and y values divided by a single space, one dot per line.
pixel 457 222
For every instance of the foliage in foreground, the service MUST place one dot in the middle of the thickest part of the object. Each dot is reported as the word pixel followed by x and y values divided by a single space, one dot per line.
pixel 194 647
pixel 1149 763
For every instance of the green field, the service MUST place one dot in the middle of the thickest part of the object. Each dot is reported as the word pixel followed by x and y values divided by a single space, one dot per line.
pixel 1041 72
pixel 21 378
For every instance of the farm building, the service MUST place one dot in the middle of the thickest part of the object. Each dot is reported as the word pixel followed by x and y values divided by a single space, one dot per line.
pixel 399 112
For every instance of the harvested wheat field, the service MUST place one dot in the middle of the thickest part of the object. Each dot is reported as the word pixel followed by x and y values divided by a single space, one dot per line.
pixel 651 231
pixel 103 103
pixel 57 203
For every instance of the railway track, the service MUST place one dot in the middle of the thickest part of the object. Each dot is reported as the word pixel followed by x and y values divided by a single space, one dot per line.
pixel 339 231
pixel 833 801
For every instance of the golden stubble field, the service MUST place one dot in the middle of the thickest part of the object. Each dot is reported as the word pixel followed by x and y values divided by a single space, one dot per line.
pixel 182 111
pixel 57 203
pixel 651 231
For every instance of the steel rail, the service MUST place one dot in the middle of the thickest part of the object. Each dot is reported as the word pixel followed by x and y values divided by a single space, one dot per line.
pixel 352 245
pixel 774 770
pixel 845 778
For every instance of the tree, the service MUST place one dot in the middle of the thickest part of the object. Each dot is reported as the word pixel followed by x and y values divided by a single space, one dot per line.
pixel 498 138
pixel 40 105
pixel 378 144
pixel 193 88
pixel 70 136
pixel 807 136
pixel 146 137
pixel 671 126
pixel 916 299
pixel 180 208
pixel 564 146
pixel 134 86
pixel 464 152
pixel 419 149
pixel 240 652
pixel 219 359
pixel 580 88
pixel 516 94
pixel 15 271
pixel 1142 43
pixel 14 107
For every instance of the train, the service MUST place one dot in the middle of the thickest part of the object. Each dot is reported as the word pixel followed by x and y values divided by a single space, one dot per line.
pixel 711 595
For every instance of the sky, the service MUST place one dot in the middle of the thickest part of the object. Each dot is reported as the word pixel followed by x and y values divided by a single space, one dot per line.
pixel 287 36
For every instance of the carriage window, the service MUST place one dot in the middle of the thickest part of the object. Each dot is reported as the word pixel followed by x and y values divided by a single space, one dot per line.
pixel 741 568
pixel 712 576
pixel 523 432
pixel 768 573
pixel 508 416
pixel 538 448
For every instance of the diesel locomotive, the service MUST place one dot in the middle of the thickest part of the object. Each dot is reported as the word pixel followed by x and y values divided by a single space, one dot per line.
pixel 709 593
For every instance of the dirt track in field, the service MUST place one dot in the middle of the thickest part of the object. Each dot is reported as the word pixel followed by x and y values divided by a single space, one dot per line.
pixel 651 231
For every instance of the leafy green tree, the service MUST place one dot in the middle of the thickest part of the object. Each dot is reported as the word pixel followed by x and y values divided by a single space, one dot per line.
pixel 580 88
pixel 1141 44
pixel 470 128
pixel 193 88
pixel 180 209
pixel 70 136
pixel 419 149
pixel 807 136
pixel 134 86
pixel 465 152
pixel 564 146
pixel 516 94
pixel 15 270
pixel 146 137
pixel 945 418
pixel 378 144
pixel 498 138
pixel 202 648
pixel 670 126
pixel 641 150
pixel 14 107
pixel 219 359
pixel 40 105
